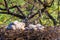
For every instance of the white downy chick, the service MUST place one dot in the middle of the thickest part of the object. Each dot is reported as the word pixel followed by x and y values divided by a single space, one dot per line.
pixel 15 22
pixel 31 26
pixel 13 27
pixel 22 25
pixel 19 25
pixel 39 26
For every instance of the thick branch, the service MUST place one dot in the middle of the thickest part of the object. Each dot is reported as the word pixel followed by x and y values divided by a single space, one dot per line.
pixel 15 7
pixel 20 11
pixel 50 4
pixel 54 21
pixel 46 5
pixel 32 16
pixel 13 14
pixel 40 2
pixel 9 7
pixel 6 5
pixel 43 9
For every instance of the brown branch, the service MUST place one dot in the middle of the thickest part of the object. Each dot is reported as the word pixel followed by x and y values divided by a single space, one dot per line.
pixel 50 4
pixel 10 7
pixel 15 7
pixel 45 4
pixel 40 2
pixel 54 21
pixel 13 14
pixel 20 11
pixel 32 16
pixel 6 5
pixel 43 9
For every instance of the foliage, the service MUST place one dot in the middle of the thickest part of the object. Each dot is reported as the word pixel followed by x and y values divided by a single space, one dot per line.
pixel 6 19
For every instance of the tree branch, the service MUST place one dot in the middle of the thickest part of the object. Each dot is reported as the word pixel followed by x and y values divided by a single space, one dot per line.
pixel 43 9
pixel 13 14
pixel 9 7
pixel 6 5
pixel 46 5
pixel 54 21
pixel 20 11
pixel 40 2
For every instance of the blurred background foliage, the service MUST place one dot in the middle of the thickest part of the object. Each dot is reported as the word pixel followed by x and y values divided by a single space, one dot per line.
pixel 53 10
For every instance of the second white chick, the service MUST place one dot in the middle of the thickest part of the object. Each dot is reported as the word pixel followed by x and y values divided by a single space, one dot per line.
pixel 31 26
pixel 39 26
pixel 19 25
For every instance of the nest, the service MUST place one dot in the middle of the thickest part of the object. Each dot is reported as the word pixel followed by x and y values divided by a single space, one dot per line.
pixel 47 34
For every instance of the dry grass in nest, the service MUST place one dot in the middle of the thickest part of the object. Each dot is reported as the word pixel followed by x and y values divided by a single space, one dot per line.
pixel 47 34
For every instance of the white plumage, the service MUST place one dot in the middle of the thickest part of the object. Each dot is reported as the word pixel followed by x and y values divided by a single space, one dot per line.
pixel 39 26
pixel 16 25
pixel 13 27
pixel 19 25
pixel 36 27
pixel 31 26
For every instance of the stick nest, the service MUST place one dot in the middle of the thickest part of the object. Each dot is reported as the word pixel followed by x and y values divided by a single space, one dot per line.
pixel 50 33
